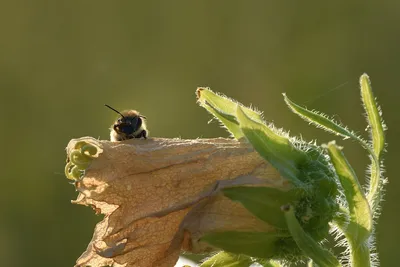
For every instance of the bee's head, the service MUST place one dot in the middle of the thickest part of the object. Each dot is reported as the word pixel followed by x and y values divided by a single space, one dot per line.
pixel 129 122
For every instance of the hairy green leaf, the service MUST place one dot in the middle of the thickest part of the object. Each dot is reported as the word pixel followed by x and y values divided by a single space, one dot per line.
pixel 376 128
pixel 225 104
pixel 224 109
pixel 275 148
pixel 312 249
pixel 375 121
pixel 227 120
pixel 320 120
pixel 359 211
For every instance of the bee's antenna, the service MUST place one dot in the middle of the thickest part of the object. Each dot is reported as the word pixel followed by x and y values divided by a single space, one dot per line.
pixel 114 110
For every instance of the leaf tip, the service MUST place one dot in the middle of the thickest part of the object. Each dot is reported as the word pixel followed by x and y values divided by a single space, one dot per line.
pixel 331 144
pixel 365 82
pixel 364 76
pixel 199 90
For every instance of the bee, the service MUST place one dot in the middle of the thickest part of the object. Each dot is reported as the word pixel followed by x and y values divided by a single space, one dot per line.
pixel 130 125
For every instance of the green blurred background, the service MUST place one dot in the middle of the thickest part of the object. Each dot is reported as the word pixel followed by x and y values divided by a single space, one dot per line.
pixel 61 61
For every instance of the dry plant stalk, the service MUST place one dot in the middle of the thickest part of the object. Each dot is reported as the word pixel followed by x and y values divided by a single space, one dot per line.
pixel 160 196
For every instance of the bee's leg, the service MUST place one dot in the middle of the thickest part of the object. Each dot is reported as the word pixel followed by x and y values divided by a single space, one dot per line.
pixel 143 134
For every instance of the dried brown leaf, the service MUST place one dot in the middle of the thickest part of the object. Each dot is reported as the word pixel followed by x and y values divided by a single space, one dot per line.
pixel 160 196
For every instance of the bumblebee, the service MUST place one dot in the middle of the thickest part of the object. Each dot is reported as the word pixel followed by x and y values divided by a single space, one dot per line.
pixel 130 125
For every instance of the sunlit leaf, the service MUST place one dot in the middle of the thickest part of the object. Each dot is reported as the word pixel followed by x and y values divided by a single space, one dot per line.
pixel 275 148
pixel 225 104
pixel 224 109
pixel 228 121
pixel 320 120
pixel 359 211
pixel 375 122
pixel 376 128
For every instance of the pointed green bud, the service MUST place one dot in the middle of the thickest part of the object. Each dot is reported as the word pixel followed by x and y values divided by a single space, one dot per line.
pixel 224 109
